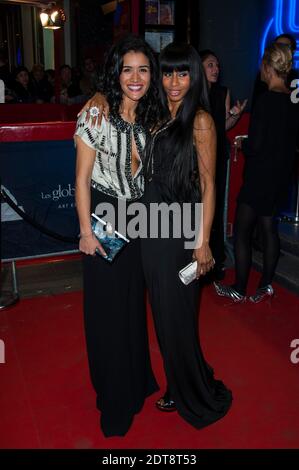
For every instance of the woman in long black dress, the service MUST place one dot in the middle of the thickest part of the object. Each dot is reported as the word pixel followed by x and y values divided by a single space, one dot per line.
pixel 180 167
pixel 109 169
pixel 225 117
pixel 270 153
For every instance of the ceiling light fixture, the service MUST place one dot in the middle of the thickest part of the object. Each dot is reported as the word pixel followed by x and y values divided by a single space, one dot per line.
pixel 52 17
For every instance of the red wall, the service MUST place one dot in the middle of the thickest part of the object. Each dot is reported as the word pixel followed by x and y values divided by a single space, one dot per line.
pixel 12 113
pixel 29 132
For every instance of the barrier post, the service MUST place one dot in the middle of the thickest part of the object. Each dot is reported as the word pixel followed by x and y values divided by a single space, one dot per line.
pixel 293 218
pixel 7 297
pixel 296 217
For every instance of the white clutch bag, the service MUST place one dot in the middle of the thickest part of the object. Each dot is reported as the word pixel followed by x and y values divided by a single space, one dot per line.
pixel 188 273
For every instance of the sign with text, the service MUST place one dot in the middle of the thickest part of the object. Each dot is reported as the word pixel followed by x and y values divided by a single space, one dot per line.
pixel 39 177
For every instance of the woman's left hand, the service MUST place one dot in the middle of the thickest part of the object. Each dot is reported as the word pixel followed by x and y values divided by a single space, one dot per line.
pixel 205 260
pixel 239 107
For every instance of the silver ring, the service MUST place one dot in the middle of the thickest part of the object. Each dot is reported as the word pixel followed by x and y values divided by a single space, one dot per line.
pixel 94 111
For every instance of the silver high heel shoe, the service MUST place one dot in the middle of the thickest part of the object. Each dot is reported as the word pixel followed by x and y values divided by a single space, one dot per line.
pixel 230 292
pixel 262 293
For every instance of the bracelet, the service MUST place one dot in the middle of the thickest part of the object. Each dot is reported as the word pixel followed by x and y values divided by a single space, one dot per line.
pixel 233 115
pixel 85 236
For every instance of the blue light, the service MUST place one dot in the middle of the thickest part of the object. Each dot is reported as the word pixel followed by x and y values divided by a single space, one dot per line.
pixel 292 17
pixel 284 20
pixel 278 17
pixel 263 45
pixel 19 56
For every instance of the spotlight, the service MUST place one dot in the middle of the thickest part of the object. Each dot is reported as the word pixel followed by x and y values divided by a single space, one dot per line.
pixel 52 17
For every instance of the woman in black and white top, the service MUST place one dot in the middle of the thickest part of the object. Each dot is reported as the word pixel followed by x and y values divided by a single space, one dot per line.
pixel 112 169
pixel 109 170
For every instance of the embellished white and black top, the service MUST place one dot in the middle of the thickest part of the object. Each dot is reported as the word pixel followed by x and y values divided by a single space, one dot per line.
pixel 112 141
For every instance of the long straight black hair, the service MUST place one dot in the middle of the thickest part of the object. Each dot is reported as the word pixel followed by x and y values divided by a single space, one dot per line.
pixel 183 57
pixel 148 107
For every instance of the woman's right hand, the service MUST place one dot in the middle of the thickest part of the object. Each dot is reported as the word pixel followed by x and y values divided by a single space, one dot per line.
pixel 89 244
pixel 99 101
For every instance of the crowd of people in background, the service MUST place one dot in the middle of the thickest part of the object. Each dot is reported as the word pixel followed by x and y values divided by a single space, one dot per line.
pixel 71 85
pixel 68 86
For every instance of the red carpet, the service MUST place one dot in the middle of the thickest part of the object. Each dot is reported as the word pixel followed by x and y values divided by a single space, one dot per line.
pixel 47 400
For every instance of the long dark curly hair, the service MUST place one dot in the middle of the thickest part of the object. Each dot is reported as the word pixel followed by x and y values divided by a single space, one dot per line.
pixel 148 109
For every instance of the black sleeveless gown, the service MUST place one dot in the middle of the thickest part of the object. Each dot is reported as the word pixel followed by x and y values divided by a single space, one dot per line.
pixel 199 398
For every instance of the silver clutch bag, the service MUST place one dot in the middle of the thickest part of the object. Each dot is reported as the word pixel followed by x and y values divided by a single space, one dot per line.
pixel 188 273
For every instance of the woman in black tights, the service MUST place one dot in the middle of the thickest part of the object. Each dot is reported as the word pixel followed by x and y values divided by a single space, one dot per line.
pixel 270 153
